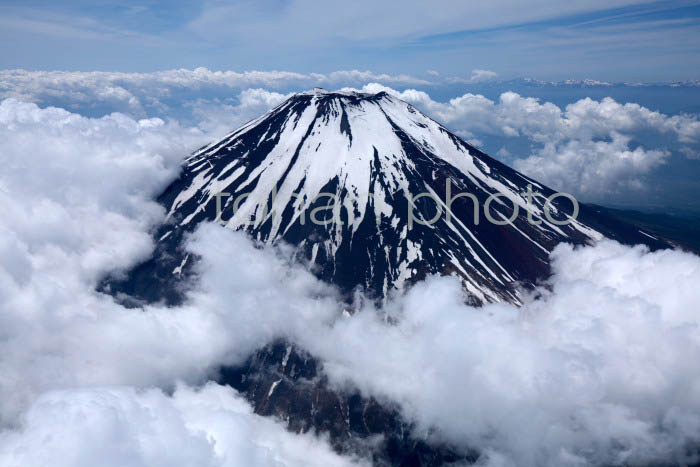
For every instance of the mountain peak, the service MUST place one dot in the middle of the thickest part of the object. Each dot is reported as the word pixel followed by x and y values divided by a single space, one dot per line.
pixel 342 93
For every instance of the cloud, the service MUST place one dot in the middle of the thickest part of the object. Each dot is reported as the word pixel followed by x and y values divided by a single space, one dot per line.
pixel 597 368
pixel 503 152
pixel 76 195
pixel 593 167
pixel 219 117
pixel 478 76
pixel 365 21
pixel 595 371
pixel 120 426
pixel 77 203
pixel 78 369
pixel 690 153
pixel 138 92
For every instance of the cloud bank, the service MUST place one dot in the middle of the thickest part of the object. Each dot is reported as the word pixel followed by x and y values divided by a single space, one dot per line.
pixel 598 371
pixel 598 368
pixel 80 371
pixel 134 92
pixel 76 194
pixel 120 426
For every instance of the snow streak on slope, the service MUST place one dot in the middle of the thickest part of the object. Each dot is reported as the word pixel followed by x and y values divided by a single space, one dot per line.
pixel 363 160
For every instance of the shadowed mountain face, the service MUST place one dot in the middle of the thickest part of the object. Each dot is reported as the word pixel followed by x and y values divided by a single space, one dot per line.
pixel 374 195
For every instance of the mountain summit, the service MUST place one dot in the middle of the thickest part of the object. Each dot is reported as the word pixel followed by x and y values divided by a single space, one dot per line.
pixel 375 195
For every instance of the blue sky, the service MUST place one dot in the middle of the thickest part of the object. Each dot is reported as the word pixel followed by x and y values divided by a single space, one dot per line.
pixel 617 40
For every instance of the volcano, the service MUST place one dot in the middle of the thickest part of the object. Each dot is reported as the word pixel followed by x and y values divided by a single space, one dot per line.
pixel 374 196
pixel 380 171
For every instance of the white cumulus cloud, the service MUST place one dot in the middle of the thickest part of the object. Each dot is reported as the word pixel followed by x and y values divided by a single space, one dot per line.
pixel 120 426
pixel 141 92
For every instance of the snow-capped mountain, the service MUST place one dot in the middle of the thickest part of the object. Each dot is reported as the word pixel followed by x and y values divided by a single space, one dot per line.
pixel 378 170
pixel 355 160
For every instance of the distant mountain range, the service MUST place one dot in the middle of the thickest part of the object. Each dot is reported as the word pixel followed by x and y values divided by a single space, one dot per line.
pixel 590 83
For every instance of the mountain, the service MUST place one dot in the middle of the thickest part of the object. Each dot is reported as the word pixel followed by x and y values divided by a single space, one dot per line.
pixel 377 169
pixel 371 172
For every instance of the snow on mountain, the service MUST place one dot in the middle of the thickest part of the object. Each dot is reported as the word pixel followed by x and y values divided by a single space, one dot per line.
pixel 353 181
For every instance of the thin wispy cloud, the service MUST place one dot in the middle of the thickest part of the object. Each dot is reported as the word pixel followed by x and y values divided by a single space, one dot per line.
pixel 449 37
